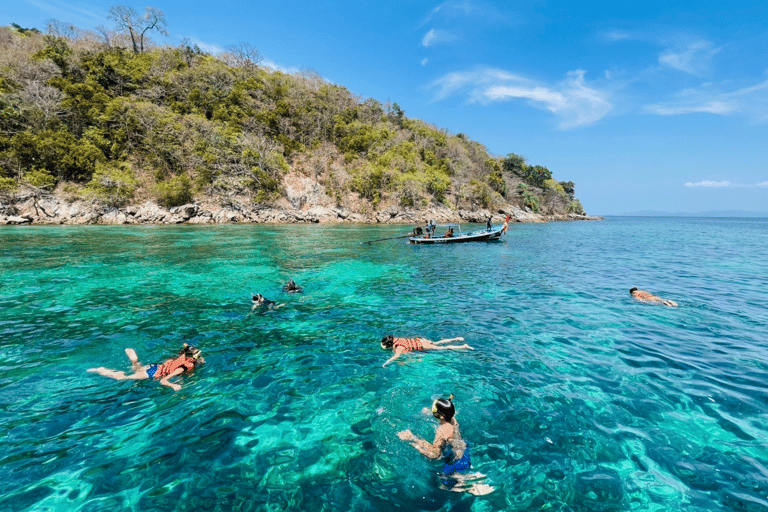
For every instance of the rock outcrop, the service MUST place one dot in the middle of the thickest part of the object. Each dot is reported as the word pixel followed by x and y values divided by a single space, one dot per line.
pixel 53 210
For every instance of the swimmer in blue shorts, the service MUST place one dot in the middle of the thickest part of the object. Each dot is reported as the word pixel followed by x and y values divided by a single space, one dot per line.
pixel 449 446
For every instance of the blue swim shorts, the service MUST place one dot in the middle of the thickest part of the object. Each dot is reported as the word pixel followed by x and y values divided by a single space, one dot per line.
pixel 451 466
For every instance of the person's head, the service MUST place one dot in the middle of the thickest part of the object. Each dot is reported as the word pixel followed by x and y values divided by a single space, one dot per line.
pixel 443 409
pixel 632 290
pixel 387 341
pixel 190 351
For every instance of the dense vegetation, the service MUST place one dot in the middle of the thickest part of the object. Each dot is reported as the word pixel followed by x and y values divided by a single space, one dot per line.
pixel 108 116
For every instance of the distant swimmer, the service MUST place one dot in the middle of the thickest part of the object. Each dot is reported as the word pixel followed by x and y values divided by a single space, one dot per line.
pixel 451 447
pixel 187 359
pixel 292 287
pixel 648 297
pixel 403 345
pixel 259 300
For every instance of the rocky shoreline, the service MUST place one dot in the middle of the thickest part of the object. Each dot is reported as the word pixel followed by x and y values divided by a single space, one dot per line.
pixel 48 211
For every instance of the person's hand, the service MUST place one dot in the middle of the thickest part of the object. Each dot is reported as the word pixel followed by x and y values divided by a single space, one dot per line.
pixel 426 410
pixel 405 435
pixel 175 387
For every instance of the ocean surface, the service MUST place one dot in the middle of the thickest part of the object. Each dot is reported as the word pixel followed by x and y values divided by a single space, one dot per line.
pixel 576 397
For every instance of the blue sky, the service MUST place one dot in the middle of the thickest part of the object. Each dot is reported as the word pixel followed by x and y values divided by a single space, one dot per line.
pixel 656 105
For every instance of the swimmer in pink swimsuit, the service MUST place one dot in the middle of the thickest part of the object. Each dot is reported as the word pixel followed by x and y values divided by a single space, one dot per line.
pixel 403 345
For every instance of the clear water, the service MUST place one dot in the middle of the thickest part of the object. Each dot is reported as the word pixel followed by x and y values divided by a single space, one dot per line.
pixel 577 398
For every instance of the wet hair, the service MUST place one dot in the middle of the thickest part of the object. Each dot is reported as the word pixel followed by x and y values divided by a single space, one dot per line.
pixel 444 409
pixel 633 289
pixel 190 351
pixel 387 341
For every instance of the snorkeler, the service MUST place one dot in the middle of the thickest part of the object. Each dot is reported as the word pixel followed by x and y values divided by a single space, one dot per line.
pixel 186 361
pixel 292 287
pixel 403 345
pixel 648 297
pixel 451 447
pixel 260 300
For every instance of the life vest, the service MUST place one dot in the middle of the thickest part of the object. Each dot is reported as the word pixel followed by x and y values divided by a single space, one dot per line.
pixel 409 344
pixel 170 366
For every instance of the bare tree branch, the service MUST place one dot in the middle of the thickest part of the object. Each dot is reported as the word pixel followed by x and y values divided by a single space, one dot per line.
pixel 127 20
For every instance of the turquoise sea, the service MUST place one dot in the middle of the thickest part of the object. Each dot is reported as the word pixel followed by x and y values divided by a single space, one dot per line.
pixel 577 397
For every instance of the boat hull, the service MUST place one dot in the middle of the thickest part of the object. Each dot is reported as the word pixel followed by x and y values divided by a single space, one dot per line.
pixel 474 236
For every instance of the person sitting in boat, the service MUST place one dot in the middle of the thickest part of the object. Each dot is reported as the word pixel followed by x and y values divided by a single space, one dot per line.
pixel 187 360
pixel 451 447
pixel 648 297
pixel 449 233
pixel 292 287
pixel 403 345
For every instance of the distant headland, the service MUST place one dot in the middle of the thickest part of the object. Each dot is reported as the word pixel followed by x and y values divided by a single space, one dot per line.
pixel 711 213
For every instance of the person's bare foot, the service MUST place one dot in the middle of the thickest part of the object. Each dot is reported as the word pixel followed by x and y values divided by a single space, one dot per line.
pixel 132 355
pixel 480 489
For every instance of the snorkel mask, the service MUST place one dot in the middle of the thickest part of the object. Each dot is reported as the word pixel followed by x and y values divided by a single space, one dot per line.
pixel 443 409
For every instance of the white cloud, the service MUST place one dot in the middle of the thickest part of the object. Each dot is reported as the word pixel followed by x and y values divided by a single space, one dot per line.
pixel 424 61
pixel 709 184
pixel 452 9
pixel 711 99
pixel 571 100
pixel 285 69
pixel 692 57
pixel 618 35
pixel 709 107
pixel 434 37
pixel 724 184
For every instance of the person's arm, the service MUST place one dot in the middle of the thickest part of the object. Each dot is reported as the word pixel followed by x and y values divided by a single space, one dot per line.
pixel 431 451
pixel 165 382
pixel 398 353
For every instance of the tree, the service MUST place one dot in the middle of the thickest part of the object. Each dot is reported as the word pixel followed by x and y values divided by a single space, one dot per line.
pixel 569 188
pixel 127 19
pixel 242 55
pixel 515 164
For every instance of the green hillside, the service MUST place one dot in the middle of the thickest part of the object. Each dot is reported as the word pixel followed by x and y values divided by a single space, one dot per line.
pixel 102 118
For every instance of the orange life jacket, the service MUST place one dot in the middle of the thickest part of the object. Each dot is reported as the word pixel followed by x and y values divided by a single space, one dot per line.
pixel 172 365
pixel 409 344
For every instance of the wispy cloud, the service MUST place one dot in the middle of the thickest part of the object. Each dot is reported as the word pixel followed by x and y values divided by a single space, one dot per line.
pixel 707 107
pixel 691 57
pixel 453 9
pixel 725 184
pixel 69 10
pixel 571 100
pixel 712 99
pixel 435 36
pixel 285 69
pixel 211 48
